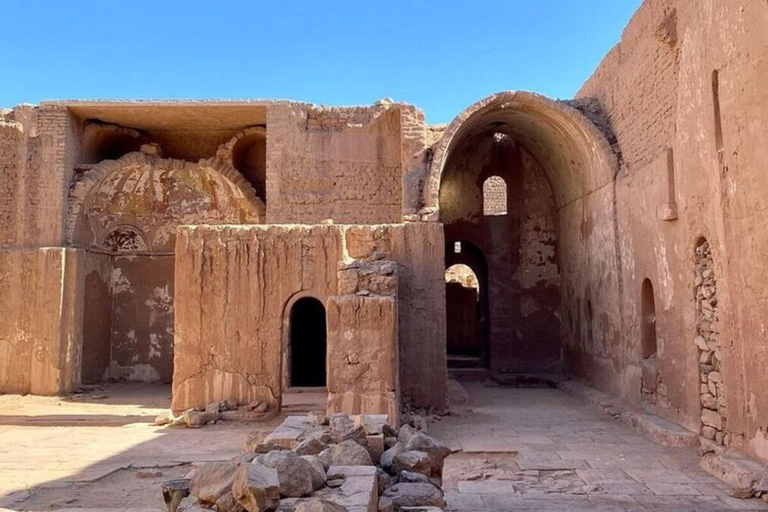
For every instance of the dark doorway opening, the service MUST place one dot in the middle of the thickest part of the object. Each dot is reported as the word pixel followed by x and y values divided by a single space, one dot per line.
pixel 308 343
pixel 466 297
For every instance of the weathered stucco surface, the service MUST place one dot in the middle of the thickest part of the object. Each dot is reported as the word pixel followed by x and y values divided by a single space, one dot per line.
pixel 246 278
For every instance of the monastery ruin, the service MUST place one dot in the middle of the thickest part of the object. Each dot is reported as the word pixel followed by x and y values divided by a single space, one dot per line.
pixel 239 249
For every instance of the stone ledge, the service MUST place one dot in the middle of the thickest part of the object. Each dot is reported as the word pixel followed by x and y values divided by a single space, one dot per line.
pixel 658 430
pixel 736 470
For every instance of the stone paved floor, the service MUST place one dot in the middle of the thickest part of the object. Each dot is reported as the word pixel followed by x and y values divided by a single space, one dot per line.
pixel 540 449
pixel 52 449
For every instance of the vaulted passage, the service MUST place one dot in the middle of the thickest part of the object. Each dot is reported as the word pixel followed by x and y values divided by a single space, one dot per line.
pixel 496 202
pixel 308 343
pixel 522 179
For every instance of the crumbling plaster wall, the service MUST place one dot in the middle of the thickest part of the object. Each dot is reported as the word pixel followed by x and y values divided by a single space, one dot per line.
pixel 244 277
pixel 687 173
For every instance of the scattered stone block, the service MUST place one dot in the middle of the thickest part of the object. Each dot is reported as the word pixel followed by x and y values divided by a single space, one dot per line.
pixel 212 481
pixel 347 453
pixel 294 473
pixel 256 487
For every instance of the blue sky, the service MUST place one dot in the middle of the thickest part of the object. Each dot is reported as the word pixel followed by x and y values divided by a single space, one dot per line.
pixel 441 56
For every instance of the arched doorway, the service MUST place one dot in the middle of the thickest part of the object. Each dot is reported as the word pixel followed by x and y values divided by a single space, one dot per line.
pixel 308 343
pixel 466 287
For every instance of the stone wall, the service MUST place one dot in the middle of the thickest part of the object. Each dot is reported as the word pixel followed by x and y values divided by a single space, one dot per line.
pixel 363 359
pixel 679 97
pixel 343 164
pixel 41 305
pixel 245 278
pixel 714 410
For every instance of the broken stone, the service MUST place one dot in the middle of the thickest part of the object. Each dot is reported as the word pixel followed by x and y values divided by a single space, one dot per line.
pixel 708 401
pixel 227 503
pixel 388 457
pixel 188 504
pixel 414 495
pixel 212 481
pixel 406 431
pixel 347 453
pixel 294 473
pixel 197 419
pixel 411 477
pixel 383 480
pixel 310 446
pixel 386 505
pixel 436 450
pixel 319 418
pixel 413 461
pixel 334 483
pixel 256 487
pixel 216 407
pixel 375 445
pixel 164 418
pixel 712 419
pixel 319 475
pixel 175 492
pixel 319 505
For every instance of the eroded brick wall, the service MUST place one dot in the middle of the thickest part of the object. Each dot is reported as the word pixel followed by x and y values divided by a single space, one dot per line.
pixel 343 164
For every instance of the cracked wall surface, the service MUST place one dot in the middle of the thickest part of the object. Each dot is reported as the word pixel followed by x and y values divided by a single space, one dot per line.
pixel 234 286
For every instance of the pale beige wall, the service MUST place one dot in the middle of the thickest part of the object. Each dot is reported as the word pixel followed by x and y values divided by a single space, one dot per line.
pixel 655 89
pixel 343 164
pixel 233 285
pixel 40 350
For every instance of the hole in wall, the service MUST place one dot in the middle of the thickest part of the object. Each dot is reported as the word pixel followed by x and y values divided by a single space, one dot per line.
pixel 717 113
pixel 249 156
pixel 649 345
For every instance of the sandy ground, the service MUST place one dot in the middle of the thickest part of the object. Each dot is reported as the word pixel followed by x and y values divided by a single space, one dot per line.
pixel 99 450
pixel 518 449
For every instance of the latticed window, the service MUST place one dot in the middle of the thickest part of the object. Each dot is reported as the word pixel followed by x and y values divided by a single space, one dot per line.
pixel 494 196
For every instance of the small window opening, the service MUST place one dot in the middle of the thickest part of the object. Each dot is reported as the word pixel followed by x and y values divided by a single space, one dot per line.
pixel 494 196
pixel 717 113
pixel 648 327
pixel 463 275
pixel 500 137
pixel 457 247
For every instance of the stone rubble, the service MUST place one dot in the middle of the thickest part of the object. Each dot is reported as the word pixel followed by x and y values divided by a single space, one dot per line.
pixel 218 411
pixel 314 463
pixel 714 410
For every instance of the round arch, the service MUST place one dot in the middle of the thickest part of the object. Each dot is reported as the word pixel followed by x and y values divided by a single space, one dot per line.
pixel 574 153
pixel 286 331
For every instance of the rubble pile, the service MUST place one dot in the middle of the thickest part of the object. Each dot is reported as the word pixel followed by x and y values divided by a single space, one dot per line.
pixel 219 411
pixel 325 464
